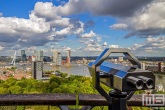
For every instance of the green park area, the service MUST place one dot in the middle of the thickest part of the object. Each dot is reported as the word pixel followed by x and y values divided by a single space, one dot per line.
pixel 63 84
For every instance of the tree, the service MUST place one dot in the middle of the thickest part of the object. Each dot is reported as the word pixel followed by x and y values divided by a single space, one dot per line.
pixel 10 81
pixel 15 90
pixel 55 79
pixel 21 83
pixel 4 90
pixel 52 86
pixel 64 75
pixel 56 90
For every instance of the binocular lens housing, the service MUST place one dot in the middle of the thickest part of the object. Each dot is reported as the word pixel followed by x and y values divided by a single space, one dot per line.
pixel 140 81
pixel 136 82
pixel 148 81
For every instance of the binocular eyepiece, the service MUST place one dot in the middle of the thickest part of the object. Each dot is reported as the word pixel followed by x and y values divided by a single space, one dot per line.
pixel 140 82
pixel 149 83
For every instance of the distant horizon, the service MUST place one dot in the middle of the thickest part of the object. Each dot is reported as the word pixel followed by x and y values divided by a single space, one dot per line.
pixel 87 56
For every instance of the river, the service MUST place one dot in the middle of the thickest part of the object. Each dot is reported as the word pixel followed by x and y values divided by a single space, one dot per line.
pixel 80 69
pixel 83 71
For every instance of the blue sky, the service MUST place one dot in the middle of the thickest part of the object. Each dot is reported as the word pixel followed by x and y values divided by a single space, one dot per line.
pixel 85 27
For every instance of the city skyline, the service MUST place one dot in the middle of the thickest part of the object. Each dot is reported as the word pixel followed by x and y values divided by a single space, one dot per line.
pixel 82 26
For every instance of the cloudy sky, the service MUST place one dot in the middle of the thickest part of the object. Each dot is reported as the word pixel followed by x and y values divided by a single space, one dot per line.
pixel 86 27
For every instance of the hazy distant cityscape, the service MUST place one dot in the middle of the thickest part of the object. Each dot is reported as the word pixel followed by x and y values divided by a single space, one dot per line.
pixel 35 65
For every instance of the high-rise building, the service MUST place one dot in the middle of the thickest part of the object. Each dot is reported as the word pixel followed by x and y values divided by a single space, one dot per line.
pixel 29 59
pixel 38 55
pixel 159 66
pixel 143 66
pixel 120 59
pixel 68 57
pixel 23 55
pixel 33 58
pixel 57 58
pixel 37 69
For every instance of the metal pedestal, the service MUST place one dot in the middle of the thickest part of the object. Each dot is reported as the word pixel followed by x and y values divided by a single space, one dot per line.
pixel 118 100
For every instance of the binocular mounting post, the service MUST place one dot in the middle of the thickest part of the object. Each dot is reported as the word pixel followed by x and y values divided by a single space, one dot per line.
pixel 118 100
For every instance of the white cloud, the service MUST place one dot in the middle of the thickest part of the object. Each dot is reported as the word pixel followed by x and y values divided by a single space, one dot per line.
pixel 32 48
pixel 105 44
pixel 150 20
pixel 80 48
pixel 92 44
pixel 1 48
pixel 46 10
pixel 64 31
pixel 79 29
pixel 152 44
pixel 47 23
pixel 113 46
pixel 151 39
pixel 93 49
pixel 71 29
pixel 141 18
pixel 99 39
pixel 67 48
pixel 106 7
pixel 16 46
pixel 119 26
pixel 62 22
pixel 38 29
pixel 88 35
pixel 22 40
pixel 136 46
pixel 63 49
pixel 152 17
pixel 20 26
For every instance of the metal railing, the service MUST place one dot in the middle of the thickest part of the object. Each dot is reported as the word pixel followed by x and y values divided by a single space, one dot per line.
pixel 88 101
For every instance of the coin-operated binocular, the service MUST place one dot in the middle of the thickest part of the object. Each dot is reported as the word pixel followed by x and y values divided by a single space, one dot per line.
pixel 124 80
